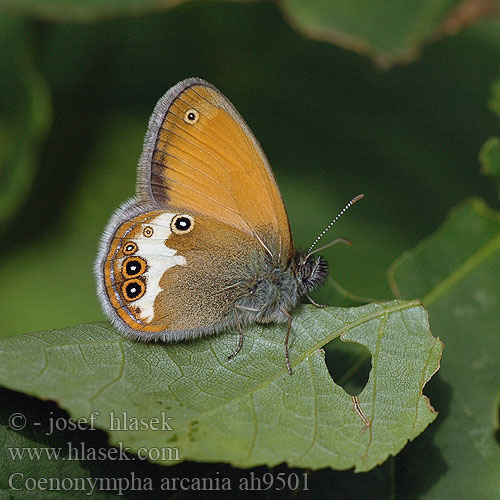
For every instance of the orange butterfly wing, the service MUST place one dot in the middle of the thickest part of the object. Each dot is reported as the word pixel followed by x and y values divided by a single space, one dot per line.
pixel 201 157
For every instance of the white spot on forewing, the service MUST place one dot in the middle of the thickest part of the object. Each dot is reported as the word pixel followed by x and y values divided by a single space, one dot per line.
pixel 159 258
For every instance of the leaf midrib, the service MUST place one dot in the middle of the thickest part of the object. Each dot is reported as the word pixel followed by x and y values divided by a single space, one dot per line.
pixel 466 268
pixel 302 357
pixel 299 359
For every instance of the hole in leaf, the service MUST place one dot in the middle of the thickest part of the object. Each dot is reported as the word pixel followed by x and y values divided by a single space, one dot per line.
pixel 349 365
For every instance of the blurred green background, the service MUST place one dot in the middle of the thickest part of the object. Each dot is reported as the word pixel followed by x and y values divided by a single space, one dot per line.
pixel 382 97
pixel 76 96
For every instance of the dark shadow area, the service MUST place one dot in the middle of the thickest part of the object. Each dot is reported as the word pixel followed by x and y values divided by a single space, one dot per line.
pixel 349 365
pixel 421 463
pixel 187 480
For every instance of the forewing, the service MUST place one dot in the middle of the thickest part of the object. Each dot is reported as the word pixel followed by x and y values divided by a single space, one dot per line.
pixel 200 156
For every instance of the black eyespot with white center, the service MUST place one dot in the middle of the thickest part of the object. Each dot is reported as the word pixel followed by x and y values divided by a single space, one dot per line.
pixel 191 116
pixel 133 266
pixel 133 289
pixel 129 248
pixel 148 231
pixel 182 224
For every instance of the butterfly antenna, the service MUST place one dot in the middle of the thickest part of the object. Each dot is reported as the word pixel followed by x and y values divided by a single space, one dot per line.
pixel 327 228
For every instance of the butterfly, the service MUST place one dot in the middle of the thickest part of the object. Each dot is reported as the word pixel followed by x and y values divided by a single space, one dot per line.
pixel 205 245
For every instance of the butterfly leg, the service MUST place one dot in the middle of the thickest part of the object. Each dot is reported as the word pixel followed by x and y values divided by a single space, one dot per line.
pixel 240 340
pixel 314 303
pixel 287 356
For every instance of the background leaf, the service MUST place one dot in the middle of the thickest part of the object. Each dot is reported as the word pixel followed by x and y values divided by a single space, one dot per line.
pixel 390 31
pixel 76 242
pixel 248 412
pixel 332 124
pixel 489 156
pixel 25 116
pixel 456 273
pixel 395 136
pixel 73 10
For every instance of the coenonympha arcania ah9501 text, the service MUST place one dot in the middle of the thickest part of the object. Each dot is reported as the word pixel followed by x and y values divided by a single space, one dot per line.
pixel 205 245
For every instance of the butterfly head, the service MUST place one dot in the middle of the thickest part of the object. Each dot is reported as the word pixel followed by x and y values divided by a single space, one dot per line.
pixel 311 272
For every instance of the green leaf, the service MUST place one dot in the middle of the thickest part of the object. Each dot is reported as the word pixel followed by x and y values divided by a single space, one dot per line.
pixel 457 273
pixel 494 101
pixel 389 31
pixel 247 411
pixel 489 156
pixel 25 116
pixel 105 185
pixel 75 10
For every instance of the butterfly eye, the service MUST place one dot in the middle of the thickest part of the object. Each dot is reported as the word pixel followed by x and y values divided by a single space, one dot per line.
pixel 133 289
pixel 130 248
pixel 133 266
pixel 182 224
pixel 305 272
pixel 191 116
pixel 148 231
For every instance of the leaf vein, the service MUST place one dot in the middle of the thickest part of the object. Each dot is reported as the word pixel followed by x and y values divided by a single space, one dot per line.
pixel 315 412
pixel 467 267
pixel 299 359
pixel 115 379
pixel 380 334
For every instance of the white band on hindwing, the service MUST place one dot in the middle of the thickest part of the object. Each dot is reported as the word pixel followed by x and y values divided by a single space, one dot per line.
pixel 159 258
